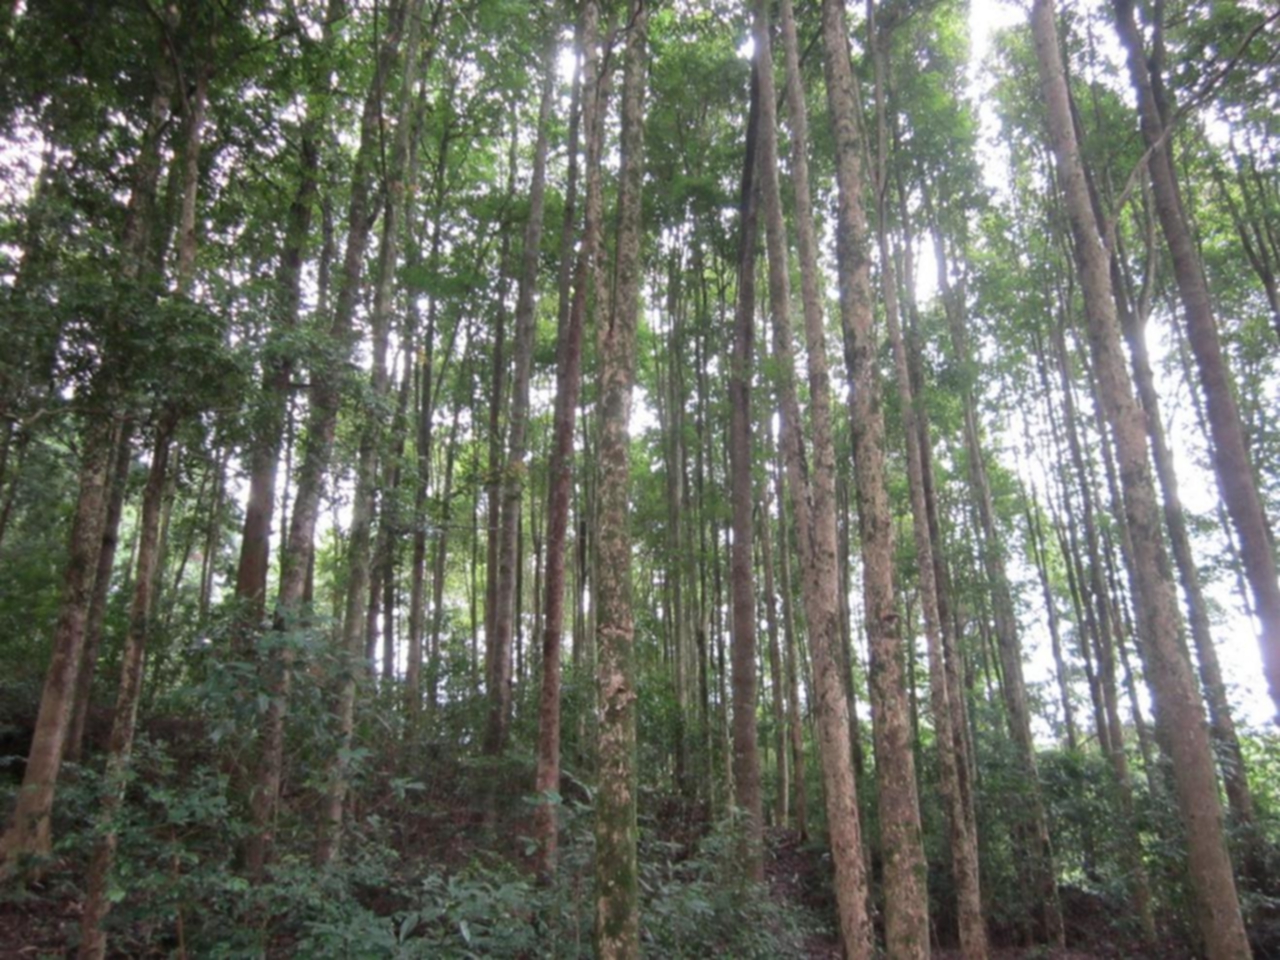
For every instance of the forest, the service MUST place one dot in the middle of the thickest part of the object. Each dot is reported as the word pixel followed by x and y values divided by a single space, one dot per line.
pixel 618 478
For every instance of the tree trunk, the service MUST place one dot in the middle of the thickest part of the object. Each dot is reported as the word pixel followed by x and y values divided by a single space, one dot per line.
pixel 325 399
pixel 905 896
pixel 813 493
pixel 396 173
pixel 560 466
pixel 617 920
pixel 746 750
pixel 1221 724
pixel 123 459
pixel 93 939
pixel 1040 865
pixel 28 833
pixel 514 469
pixel 963 845
pixel 1231 462
pixel 269 427
pixel 1178 703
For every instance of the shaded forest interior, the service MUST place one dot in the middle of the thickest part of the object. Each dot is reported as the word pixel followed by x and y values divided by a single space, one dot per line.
pixel 615 478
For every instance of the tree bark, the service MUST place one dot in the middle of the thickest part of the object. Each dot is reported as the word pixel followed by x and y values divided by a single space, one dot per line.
pixel 746 750
pixel 93 939
pixel 1178 703
pixel 325 399
pixel 617 920
pixel 905 897
pixel 1231 461
pixel 360 536
pixel 963 845
pixel 514 469
pixel 813 492
pixel 28 833
pixel 560 467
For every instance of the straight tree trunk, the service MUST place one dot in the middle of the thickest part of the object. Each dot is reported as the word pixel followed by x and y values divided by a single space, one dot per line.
pixel 101 592
pixel 795 722
pixel 272 413
pixel 778 679
pixel 1040 864
pixel 1104 635
pixel 813 493
pixel 560 466
pixel 360 537
pixel 617 920
pixel 514 470
pixel 963 845
pixel 1178 703
pixel 905 896
pixel 28 833
pixel 746 750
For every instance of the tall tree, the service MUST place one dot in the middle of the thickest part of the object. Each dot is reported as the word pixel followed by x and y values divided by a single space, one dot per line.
pixel 513 475
pixel 1177 700
pixel 1231 461
pixel 906 899
pixel 617 921
pixel 812 488
pixel 746 752
pixel 560 466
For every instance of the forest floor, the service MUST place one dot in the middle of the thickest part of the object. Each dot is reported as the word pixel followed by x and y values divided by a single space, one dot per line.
pixel 445 827
pixel 43 920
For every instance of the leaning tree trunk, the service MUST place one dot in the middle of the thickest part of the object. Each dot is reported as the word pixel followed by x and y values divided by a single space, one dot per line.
pixel 1231 462
pixel 1221 724
pixel 905 896
pixel 617 920
pixel 1177 700
pixel 28 833
pixel 93 939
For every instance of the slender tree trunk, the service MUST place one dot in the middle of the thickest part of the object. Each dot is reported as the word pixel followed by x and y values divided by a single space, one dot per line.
pixel 778 679
pixel 795 723
pixel 1221 724
pixel 813 494
pixel 1040 555
pixel 560 468
pixel 101 592
pixel 325 400
pixel 1177 700
pixel 963 845
pixel 1040 865
pixel 513 477
pixel 905 896
pixel 1231 461
pixel 1106 627
pixel 617 921
pixel 746 750
pixel 93 939
pixel 28 833
pixel 396 174
pixel 272 413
